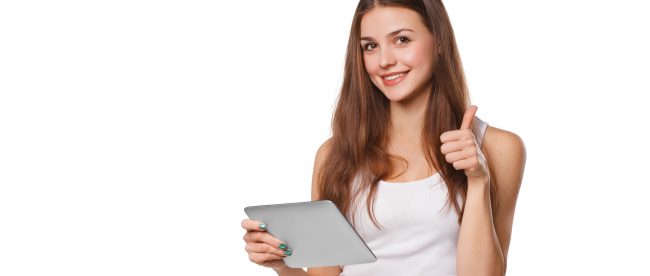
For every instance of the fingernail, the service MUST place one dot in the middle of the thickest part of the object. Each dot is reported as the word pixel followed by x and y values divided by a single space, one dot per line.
pixel 262 226
pixel 283 246
pixel 288 252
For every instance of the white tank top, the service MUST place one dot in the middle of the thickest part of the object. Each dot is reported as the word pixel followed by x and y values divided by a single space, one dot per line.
pixel 419 234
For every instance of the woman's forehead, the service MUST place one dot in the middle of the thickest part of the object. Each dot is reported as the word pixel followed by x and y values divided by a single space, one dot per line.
pixel 380 22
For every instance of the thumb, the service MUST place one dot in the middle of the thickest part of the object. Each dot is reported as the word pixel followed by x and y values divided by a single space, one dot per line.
pixel 468 117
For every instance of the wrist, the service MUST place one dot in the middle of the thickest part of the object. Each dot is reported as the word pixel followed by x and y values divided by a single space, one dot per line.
pixel 478 184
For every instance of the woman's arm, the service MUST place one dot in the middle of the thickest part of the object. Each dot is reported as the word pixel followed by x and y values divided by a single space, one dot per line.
pixel 484 239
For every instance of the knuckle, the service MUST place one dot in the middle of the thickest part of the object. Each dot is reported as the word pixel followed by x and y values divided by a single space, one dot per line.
pixel 271 256
pixel 258 236
pixel 269 248
pixel 256 258
pixel 248 237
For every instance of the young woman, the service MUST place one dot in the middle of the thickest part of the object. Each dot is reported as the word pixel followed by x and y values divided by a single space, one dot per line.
pixel 406 144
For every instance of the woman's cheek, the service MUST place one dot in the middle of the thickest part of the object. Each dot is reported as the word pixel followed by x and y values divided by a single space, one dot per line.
pixel 371 69
pixel 420 56
pixel 411 58
pixel 368 64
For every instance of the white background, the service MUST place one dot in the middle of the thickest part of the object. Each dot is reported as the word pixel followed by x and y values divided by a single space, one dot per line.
pixel 133 133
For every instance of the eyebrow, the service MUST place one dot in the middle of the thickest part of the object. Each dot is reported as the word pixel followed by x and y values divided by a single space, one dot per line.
pixel 390 34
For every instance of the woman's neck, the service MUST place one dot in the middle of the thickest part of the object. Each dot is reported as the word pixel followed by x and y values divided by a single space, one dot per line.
pixel 407 118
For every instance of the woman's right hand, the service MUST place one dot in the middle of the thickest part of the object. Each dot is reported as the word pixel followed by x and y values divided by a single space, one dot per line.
pixel 263 248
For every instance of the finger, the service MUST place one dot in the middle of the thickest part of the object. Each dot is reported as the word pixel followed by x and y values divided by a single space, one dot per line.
pixel 457 135
pixel 265 237
pixel 458 155
pixel 252 225
pixel 260 258
pixel 452 135
pixel 464 163
pixel 254 236
pixel 468 117
pixel 273 241
pixel 453 146
pixel 259 247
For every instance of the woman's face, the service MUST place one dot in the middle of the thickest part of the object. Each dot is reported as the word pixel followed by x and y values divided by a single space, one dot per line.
pixel 394 40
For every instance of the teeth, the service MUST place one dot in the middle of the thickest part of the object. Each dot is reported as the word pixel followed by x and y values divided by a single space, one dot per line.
pixel 394 76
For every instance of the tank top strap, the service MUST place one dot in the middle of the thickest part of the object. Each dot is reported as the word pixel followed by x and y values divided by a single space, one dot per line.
pixel 479 127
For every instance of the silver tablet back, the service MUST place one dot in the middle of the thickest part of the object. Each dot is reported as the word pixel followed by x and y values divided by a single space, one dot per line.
pixel 316 231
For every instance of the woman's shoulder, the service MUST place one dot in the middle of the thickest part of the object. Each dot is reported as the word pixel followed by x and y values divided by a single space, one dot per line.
pixel 501 139
pixel 324 148
pixel 505 152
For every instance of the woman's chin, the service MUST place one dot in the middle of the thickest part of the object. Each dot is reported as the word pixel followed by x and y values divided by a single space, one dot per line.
pixel 396 96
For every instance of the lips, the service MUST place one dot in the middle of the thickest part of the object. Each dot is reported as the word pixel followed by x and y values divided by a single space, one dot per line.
pixel 394 78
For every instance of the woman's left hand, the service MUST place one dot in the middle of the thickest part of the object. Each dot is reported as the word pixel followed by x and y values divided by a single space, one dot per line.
pixel 461 150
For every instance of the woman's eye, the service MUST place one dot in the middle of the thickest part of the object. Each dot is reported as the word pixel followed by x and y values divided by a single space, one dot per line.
pixel 365 47
pixel 403 39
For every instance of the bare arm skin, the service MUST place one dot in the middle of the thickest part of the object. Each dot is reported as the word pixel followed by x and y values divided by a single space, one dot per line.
pixel 484 239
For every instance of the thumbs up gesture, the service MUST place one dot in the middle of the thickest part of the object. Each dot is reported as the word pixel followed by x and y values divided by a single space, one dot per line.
pixel 461 149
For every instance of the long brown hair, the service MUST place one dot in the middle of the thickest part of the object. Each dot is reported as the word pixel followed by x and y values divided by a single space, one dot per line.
pixel 361 118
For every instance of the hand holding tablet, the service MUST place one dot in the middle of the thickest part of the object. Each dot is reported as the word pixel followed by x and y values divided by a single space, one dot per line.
pixel 315 232
pixel 263 249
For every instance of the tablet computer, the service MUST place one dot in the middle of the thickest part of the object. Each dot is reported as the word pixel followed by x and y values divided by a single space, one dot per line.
pixel 316 231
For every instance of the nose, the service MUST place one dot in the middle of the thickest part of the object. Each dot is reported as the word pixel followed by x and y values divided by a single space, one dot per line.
pixel 387 58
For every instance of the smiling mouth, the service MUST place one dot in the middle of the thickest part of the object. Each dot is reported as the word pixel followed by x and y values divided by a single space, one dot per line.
pixel 394 79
